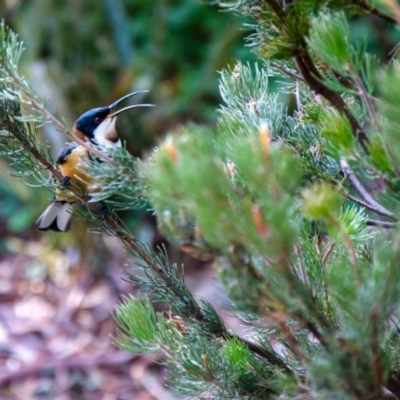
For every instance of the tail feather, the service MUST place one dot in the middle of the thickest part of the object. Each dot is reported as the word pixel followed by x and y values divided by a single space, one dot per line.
pixel 56 217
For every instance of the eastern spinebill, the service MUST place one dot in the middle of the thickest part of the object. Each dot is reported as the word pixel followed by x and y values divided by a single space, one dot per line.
pixel 96 126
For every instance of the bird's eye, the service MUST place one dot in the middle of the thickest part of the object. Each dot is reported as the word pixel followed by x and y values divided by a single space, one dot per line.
pixel 97 120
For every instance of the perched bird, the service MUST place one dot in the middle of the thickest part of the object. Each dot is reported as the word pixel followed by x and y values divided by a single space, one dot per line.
pixel 97 126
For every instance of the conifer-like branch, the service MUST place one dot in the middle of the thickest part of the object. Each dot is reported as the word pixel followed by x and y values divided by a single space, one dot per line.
pixel 379 13
pixel 313 78
pixel 12 129
pixel 383 224
pixel 276 258
pixel 372 203
pixel 113 227
pixel 59 125
pixel 287 72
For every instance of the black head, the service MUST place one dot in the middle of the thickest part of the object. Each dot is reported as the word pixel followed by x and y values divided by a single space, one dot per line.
pixel 88 122
pixel 98 123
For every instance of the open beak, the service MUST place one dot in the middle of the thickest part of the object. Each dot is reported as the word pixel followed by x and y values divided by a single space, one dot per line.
pixel 119 101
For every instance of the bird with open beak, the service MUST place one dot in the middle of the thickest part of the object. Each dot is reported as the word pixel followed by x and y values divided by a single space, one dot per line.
pixel 96 126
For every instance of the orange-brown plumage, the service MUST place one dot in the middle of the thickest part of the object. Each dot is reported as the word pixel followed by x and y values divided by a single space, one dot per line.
pixel 77 133
pixel 97 126
pixel 73 165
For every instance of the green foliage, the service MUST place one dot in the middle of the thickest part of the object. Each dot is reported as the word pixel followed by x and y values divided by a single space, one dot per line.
pixel 330 38
pixel 119 181
pixel 320 202
pixel 388 107
pixel 337 130
pixel 139 320
pixel 262 195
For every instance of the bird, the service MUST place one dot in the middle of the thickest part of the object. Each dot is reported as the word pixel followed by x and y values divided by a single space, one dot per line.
pixel 98 127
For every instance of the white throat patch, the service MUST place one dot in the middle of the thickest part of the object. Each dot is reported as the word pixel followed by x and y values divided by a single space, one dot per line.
pixel 106 132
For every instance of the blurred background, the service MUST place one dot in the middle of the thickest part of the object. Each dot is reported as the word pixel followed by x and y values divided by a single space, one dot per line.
pixel 58 291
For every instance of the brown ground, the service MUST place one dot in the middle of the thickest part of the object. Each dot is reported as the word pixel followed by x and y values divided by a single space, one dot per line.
pixel 56 326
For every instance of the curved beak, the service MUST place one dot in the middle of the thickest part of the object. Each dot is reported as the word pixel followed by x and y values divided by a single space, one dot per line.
pixel 119 101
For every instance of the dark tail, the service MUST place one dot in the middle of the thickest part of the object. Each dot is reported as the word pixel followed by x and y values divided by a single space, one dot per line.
pixel 56 217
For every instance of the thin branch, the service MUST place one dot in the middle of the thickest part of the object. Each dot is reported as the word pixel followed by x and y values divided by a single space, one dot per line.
pixel 363 91
pixel 112 226
pixel 200 317
pixel 139 250
pixel 57 123
pixel 348 173
pixel 273 358
pixel 379 13
pixel 383 224
pixel 317 334
pixel 303 270
pixel 369 167
pixel 327 253
pixel 291 339
pixel 385 16
pixel 371 112
pixel 314 79
pixel 278 10
pixel 8 126
pixel 365 205
pixel 50 117
pixel 325 257
pixel 287 72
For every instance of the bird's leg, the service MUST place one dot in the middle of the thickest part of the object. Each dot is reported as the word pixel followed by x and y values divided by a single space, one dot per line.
pixel 103 210
pixel 66 181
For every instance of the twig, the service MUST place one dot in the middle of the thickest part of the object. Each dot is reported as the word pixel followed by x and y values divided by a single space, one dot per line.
pixel 392 4
pixel 365 205
pixel 371 111
pixel 279 11
pixel 383 224
pixel 287 333
pixel 385 16
pixel 317 334
pixel 293 268
pixel 327 253
pixel 273 358
pixel 130 241
pixel 324 259
pixel 303 270
pixel 287 72
pixel 33 150
pixel 58 124
pixel 63 128
pixel 379 13
pixel 135 245
pixel 348 173
pixel 362 160
pixel 314 79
